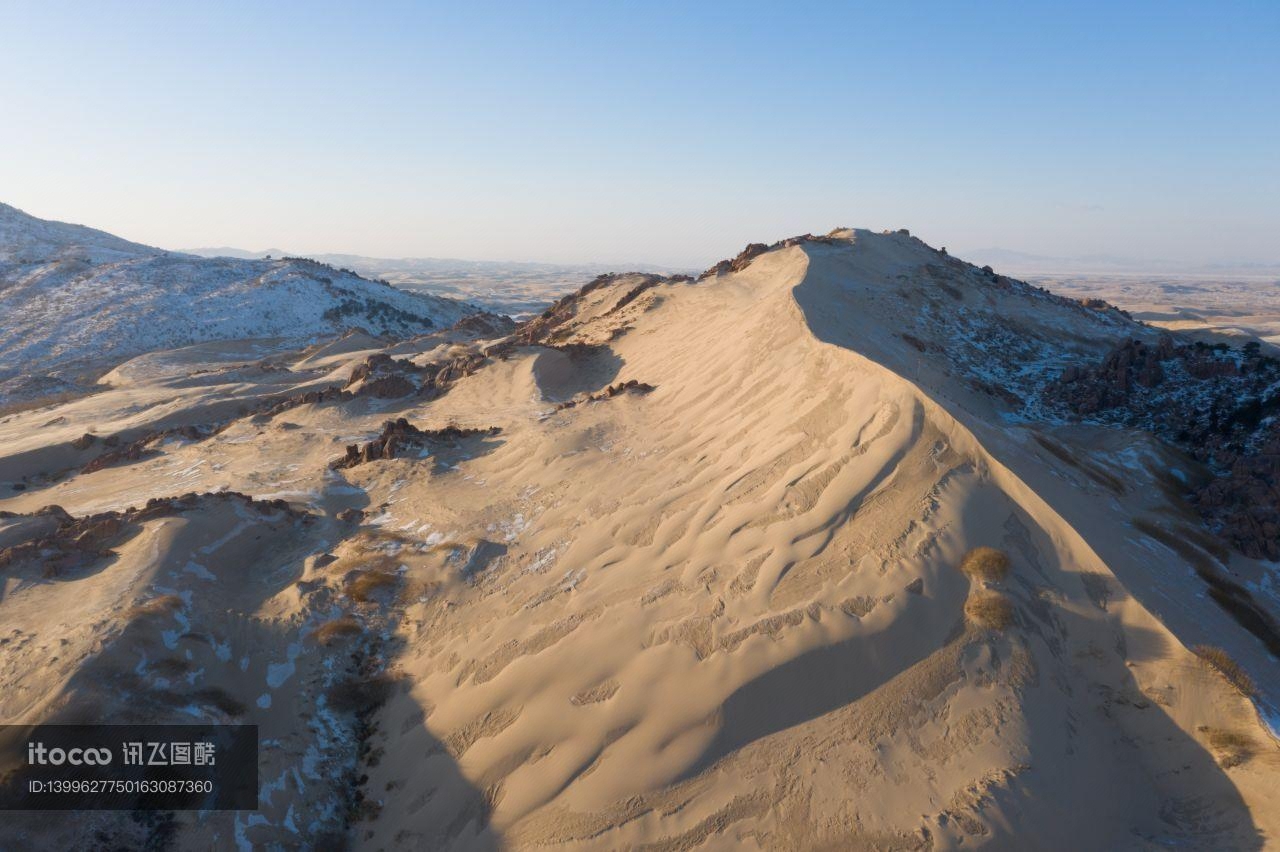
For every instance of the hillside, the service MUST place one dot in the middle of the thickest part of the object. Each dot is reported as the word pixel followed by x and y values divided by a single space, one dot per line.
pixel 506 287
pixel 813 551
pixel 75 302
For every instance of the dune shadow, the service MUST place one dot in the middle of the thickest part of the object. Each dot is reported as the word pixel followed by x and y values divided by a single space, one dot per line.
pixel 1096 742
pixel 447 455
pixel 824 679
pixel 563 373
pixel 1110 751
pixel 193 649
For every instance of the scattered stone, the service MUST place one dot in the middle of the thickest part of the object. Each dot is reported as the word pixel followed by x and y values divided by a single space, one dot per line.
pixel 631 386
pixel 77 543
pixel 400 436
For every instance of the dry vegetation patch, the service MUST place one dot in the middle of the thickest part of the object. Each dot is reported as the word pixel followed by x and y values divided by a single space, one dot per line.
pixel 337 630
pixel 156 606
pixel 989 609
pixel 220 698
pixel 1231 748
pixel 1227 667
pixel 363 585
pixel 985 564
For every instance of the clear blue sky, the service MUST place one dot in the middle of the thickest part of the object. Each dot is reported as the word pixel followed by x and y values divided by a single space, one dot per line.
pixel 663 132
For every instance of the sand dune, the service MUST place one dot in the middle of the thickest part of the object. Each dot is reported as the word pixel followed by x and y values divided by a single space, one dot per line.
pixel 725 613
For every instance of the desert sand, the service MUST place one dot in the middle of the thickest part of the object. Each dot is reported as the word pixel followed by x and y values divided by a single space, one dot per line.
pixel 722 609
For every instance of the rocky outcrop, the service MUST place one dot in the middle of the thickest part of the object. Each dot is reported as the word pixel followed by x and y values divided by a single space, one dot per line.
pixel 1111 383
pixel 1218 404
pixel 137 450
pixel 1243 503
pixel 632 386
pixel 543 328
pixel 485 325
pixel 754 250
pixel 384 377
pixel 552 326
pixel 350 516
pixel 76 543
pixel 399 437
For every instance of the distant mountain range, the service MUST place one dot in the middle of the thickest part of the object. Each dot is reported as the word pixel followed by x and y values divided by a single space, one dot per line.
pixel 1018 262
pixel 509 287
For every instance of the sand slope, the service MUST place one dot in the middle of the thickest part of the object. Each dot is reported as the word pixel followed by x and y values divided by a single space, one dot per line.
pixel 725 613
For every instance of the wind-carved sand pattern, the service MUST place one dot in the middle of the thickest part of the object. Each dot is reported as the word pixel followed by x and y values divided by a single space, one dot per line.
pixel 728 612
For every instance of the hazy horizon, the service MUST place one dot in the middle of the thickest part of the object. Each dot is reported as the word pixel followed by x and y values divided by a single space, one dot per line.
pixel 666 135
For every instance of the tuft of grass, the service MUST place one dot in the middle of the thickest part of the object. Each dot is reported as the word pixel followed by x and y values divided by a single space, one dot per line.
pixel 170 667
pixel 220 698
pixel 985 564
pixel 156 606
pixel 363 585
pixel 337 630
pixel 991 610
pixel 1232 747
pixel 1219 659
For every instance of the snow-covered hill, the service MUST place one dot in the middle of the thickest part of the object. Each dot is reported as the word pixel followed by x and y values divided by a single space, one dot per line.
pixel 74 299
pixel 24 239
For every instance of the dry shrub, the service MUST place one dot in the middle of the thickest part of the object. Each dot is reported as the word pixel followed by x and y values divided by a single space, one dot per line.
pixel 156 606
pixel 338 629
pixel 1233 747
pixel 170 667
pixel 989 609
pixel 220 698
pixel 986 564
pixel 1227 667
pixel 363 585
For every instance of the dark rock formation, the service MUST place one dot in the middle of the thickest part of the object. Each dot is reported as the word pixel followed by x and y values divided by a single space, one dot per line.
pixel 485 325
pixel 1218 404
pixel 139 449
pixel 76 543
pixel 399 437
pixel 754 250
pixel 350 516
pixel 135 451
pixel 384 377
pixel 631 386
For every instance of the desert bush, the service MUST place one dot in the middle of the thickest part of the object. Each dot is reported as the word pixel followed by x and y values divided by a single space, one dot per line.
pixel 156 606
pixel 337 629
pixel 170 667
pixel 1232 747
pixel 989 609
pixel 1227 667
pixel 985 564
pixel 220 698
pixel 363 585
